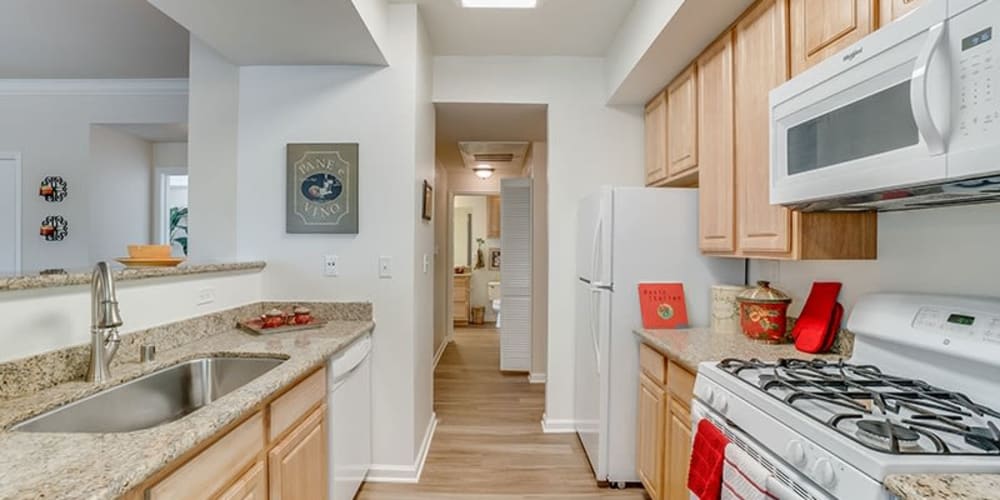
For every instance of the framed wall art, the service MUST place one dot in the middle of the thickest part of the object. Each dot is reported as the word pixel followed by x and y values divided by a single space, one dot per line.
pixel 428 209
pixel 322 188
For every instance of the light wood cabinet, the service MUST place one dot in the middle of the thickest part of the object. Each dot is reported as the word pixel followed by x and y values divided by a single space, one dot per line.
pixel 890 10
pixel 716 168
pixel 251 486
pixel 279 452
pixel 460 300
pixel 820 28
pixel 679 450
pixel 656 140
pixel 297 465
pixel 650 443
pixel 492 217
pixel 682 124
pixel 760 55
pixel 663 447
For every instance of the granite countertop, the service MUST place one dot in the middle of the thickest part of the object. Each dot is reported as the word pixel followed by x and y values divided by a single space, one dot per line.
pixel 35 281
pixel 105 466
pixel 688 347
pixel 944 486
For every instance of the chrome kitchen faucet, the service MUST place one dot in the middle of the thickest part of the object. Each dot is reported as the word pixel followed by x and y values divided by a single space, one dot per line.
pixel 105 318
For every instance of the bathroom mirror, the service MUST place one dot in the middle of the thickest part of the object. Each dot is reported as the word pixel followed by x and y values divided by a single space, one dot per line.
pixel 93 133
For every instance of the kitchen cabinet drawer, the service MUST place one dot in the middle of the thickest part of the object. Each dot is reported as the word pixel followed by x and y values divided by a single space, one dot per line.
pixel 290 406
pixel 251 486
pixel 680 383
pixel 652 364
pixel 211 469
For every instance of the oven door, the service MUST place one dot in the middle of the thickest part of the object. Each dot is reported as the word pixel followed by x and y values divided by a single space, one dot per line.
pixel 785 482
pixel 872 117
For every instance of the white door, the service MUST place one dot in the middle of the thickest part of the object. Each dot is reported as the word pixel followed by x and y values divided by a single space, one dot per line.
pixel 515 274
pixel 10 213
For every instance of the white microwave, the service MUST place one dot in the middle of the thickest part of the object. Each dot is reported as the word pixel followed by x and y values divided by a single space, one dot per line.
pixel 908 117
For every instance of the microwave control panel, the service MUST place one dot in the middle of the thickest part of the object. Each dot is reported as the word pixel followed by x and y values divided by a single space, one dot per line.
pixel 978 62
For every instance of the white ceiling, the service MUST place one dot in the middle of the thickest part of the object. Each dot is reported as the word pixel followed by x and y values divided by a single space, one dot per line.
pixel 154 132
pixel 466 122
pixel 278 32
pixel 89 39
pixel 555 28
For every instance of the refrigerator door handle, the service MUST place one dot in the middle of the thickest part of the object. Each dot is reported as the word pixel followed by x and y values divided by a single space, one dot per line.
pixel 596 257
pixel 595 317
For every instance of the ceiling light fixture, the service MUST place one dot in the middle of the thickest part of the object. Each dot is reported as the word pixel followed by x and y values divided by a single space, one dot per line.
pixel 483 171
pixel 499 4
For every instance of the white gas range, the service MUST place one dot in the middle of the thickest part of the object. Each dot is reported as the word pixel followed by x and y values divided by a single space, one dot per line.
pixel 921 394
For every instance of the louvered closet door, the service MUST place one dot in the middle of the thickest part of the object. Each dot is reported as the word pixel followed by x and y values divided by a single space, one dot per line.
pixel 515 275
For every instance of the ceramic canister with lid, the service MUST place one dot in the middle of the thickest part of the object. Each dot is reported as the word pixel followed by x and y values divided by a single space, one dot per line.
pixel 725 309
pixel 764 313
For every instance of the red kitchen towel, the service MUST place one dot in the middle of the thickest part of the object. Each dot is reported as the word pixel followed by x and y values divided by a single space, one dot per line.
pixel 708 456
pixel 819 322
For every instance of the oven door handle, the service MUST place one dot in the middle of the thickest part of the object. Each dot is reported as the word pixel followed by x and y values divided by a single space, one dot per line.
pixel 932 135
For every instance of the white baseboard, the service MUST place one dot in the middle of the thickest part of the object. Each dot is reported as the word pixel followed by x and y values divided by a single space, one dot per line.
pixel 536 378
pixel 405 473
pixel 440 352
pixel 550 426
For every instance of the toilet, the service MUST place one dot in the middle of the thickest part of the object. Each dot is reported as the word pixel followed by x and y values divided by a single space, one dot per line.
pixel 493 289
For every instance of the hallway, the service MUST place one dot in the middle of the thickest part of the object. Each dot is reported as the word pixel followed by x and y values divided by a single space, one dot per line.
pixel 489 444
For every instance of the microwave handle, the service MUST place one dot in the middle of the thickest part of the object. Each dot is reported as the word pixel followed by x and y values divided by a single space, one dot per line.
pixel 932 135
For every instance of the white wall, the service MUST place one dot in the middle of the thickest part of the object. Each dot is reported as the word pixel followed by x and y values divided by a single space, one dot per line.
pixel 589 144
pixel 388 112
pixel 170 154
pixel 946 250
pixel 442 261
pixel 49 124
pixel 122 172
pixel 212 154
pixel 48 319
pixel 536 166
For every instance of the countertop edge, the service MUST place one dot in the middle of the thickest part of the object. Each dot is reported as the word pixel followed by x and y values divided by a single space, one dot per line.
pixel 944 486
pixel 37 282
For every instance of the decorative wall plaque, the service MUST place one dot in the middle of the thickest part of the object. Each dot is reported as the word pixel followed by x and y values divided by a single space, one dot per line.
pixel 54 228
pixel 322 190
pixel 53 188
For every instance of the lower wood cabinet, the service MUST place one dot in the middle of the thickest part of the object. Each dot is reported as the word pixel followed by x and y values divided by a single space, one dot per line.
pixel 297 464
pixel 251 486
pixel 664 429
pixel 461 300
pixel 277 453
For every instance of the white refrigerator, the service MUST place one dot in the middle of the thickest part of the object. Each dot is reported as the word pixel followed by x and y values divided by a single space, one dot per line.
pixel 626 236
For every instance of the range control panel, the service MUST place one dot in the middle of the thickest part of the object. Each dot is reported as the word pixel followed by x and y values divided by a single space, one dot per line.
pixel 961 324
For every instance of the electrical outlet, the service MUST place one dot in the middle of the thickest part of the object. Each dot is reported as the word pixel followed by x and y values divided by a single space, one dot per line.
pixel 206 296
pixel 330 266
pixel 385 267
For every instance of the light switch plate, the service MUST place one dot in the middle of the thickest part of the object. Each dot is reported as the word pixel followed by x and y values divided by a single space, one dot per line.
pixel 385 267
pixel 427 263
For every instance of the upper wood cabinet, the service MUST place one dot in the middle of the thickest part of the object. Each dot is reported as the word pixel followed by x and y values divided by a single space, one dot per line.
pixel 890 10
pixel 821 28
pixel 493 217
pixel 760 64
pixel 656 140
pixel 682 123
pixel 716 170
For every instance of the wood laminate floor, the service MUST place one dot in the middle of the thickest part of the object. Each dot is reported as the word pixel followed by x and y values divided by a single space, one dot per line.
pixel 489 443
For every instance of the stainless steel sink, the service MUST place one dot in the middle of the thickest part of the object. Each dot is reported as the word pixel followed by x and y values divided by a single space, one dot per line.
pixel 154 399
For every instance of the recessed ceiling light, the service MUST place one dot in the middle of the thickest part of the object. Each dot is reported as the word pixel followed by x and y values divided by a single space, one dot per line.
pixel 499 4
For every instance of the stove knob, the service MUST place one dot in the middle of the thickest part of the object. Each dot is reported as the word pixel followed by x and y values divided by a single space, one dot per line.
pixel 824 473
pixel 709 396
pixel 795 453
pixel 722 404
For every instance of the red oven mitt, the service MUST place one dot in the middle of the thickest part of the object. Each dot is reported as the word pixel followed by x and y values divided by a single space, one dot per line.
pixel 819 322
pixel 708 456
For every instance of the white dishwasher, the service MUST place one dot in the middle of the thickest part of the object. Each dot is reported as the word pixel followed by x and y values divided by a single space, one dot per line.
pixel 349 417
